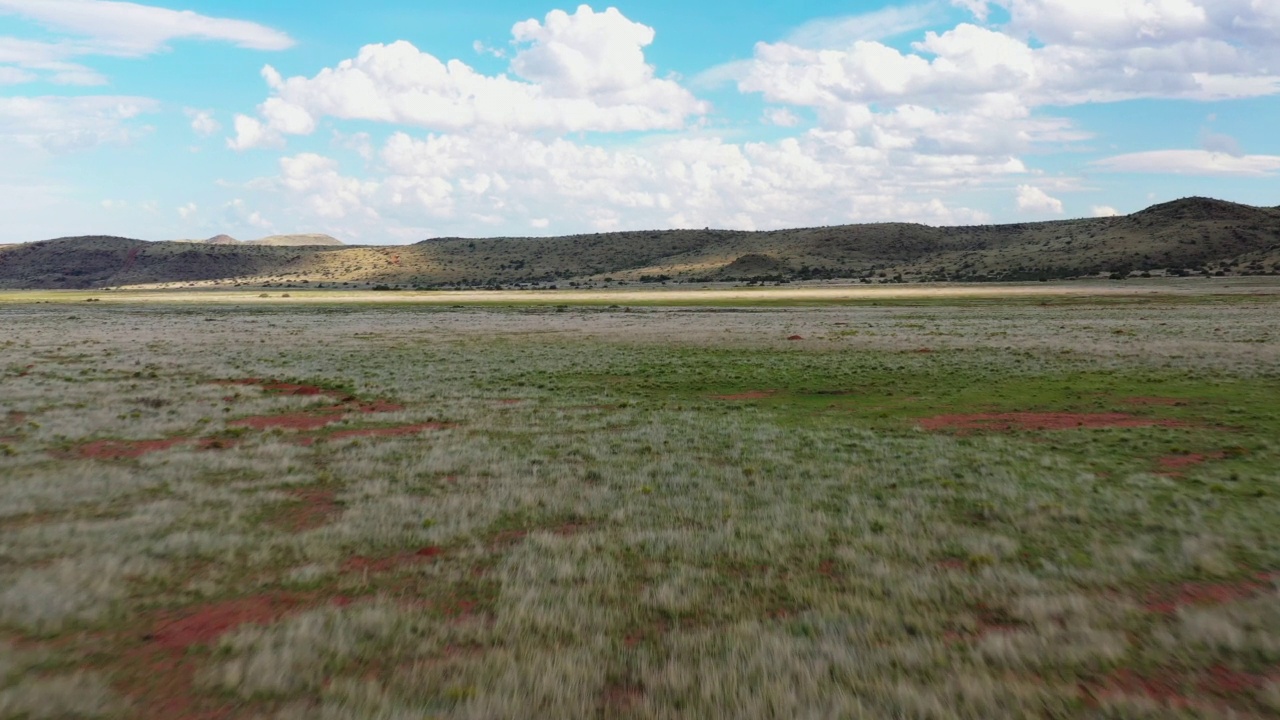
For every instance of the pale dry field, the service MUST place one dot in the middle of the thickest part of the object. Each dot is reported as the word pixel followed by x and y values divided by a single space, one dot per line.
pixel 938 507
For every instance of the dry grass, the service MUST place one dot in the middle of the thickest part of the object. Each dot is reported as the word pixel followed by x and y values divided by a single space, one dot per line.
pixel 586 532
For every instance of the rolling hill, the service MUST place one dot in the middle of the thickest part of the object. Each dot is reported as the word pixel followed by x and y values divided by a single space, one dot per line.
pixel 1194 235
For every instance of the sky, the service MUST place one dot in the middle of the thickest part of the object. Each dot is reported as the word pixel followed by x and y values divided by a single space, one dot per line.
pixel 394 121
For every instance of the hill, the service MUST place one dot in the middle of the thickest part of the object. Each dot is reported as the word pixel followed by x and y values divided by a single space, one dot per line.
pixel 1194 235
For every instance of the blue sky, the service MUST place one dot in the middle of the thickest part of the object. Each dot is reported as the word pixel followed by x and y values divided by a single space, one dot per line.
pixel 392 121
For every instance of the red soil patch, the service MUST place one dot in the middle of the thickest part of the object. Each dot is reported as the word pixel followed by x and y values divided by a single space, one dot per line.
pixel 205 624
pixel 953 564
pixel 749 395
pixel 288 421
pixel 313 509
pixel 125 449
pixel 923 351
pixel 1167 601
pixel 796 337
pixel 309 420
pixel 621 697
pixel 510 401
pixel 217 443
pixel 1173 688
pixel 13 417
pixel 360 563
pixel 26 370
pixel 1146 401
pixel 159 676
pixel 1172 464
pixel 1005 422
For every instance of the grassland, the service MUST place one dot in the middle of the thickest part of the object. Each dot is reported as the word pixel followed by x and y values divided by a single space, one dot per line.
pixel 939 506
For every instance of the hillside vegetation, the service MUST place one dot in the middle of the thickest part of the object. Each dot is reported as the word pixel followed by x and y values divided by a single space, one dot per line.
pixel 1190 236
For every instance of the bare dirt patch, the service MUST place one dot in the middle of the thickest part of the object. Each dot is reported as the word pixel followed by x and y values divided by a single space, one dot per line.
pixel 288 421
pixel 307 420
pixel 312 508
pixel 1030 421
pixel 1175 464
pixel 1166 601
pixel 364 564
pixel 1210 690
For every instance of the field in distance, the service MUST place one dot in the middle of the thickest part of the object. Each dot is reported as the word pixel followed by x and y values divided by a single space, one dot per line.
pixel 930 507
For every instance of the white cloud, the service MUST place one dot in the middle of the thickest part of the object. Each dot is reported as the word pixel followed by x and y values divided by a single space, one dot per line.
pixel 841 32
pixel 1032 199
pixel 782 117
pixel 15 76
pixel 188 211
pixel 1104 211
pixel 202 122
pixel 64 124
pixel 454 183
pixel 580 72
pixel 1192 162
pixel 237 214
pixel 980 9
pixel 130 29
pixel 100 27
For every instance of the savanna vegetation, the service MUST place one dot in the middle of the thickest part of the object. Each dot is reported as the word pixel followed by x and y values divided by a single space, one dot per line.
pixel 893 507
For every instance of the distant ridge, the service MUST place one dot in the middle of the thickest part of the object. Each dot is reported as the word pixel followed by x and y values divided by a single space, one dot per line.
pixel 297 240
pixel 1193 236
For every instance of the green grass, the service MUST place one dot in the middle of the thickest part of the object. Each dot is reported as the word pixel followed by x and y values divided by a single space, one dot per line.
pixel 596 535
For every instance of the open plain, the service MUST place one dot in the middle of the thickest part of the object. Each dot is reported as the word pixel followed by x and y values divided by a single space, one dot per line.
pixel 901 502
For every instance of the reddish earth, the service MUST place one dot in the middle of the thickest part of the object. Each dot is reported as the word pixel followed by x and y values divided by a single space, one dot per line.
pixel 204 624
pixel 314 508
pixel 13 417
pixel 125 449
pixel 1167 601
pixel 1205 690
pixel 1004 422
pixel 1172 464
pixel 159 675
pixel 749 395
pixel 923 351
pixel 953 564
pixel 26 370
pixel 510 401
pixel 621 697
pixel 360 563
pixel 796 337
pixel 288 421
pixel 307 420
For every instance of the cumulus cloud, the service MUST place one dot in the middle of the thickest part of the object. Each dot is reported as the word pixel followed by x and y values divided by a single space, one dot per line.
pixel 187 211
pixel 454 182
pixel 1033 200
pixel 579 72
pixel 1104 211
pixel 1192 162
pixel 64 124
pixel 202 122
